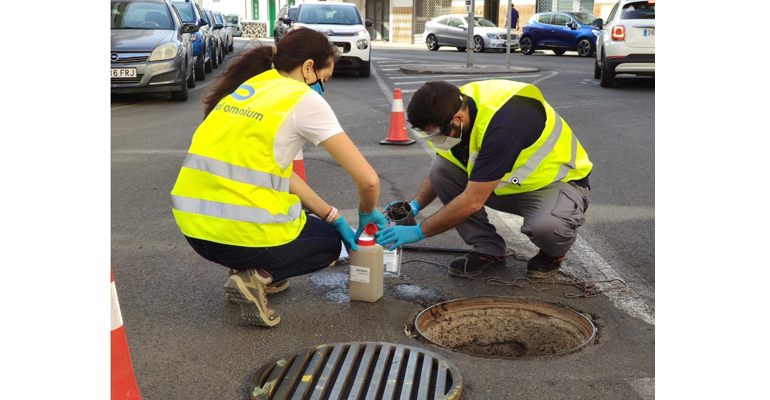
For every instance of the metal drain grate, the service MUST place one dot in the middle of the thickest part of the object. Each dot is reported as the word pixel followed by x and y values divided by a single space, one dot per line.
pixel 361 371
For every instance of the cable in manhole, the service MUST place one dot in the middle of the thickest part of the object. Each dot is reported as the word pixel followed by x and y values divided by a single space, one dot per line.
pixel 505 327
pixel 364 370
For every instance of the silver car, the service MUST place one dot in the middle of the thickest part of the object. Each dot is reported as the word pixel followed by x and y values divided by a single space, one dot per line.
pixel 151 49
pixel 227 32
pixel 235 22
pixel 452 30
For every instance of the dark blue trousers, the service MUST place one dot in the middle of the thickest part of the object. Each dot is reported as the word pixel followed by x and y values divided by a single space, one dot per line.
pixel 317 246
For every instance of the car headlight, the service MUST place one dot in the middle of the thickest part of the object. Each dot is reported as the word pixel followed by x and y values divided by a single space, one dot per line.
pixel 360 33
pixel 165 51
pixel 493 36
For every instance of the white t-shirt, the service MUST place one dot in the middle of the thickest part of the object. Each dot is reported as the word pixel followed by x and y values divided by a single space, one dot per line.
pixel 312 119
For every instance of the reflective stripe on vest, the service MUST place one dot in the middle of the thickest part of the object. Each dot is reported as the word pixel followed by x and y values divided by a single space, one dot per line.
pixel 231 189
pixel 234 212
pixel 236 173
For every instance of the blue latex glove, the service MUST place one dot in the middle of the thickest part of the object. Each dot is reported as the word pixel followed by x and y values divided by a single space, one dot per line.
pixel 415 206
pixel 342 227
pixel 400 235
pixel 374 217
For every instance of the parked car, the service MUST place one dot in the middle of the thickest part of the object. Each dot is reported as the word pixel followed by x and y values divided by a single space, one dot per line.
pixel 235 21
pixel 151 50
pixel 191 14
pixel 281 27
pixel 341 22
pixel 217 55
pixel 452 30
pixel 560 32
pixel 228 31
pixel 626 44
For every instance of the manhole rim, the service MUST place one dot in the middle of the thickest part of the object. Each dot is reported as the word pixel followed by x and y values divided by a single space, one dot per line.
pixel 558 307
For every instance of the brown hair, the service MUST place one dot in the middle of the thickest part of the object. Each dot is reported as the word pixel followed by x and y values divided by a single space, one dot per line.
pixel 433 104
pixel 292 51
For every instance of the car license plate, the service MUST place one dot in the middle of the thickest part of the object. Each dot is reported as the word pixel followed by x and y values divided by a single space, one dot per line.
pixel 649 32
pixel 123 72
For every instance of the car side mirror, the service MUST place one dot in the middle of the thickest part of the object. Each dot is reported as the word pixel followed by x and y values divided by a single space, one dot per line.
pixel 464 27
pixel 286 20
pixel 369 23
pixel 189 28
pixel 571 25
pixel 218 26
pixel 204 21
pixel 598 23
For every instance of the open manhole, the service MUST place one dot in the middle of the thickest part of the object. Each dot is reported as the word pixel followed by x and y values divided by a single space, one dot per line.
pixel 370 371
pixel 505 327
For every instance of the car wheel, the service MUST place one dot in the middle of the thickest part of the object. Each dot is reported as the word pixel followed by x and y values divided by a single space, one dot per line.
pixel 366 70
pixel 597 71
pixel 182 94
pixel 221 52
pixel 526 45
pixel 231 47
pixel 199 68
pixel 558 52
pixel 584 48
pixel 208 64
pixel 215 57
pixel 607 77
pixel 276 38
pixel 478 44
pixel 432 43
pixel 191 78
pixel 462 48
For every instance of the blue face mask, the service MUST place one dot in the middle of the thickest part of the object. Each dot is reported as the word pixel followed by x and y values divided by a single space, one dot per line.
pixel 318 86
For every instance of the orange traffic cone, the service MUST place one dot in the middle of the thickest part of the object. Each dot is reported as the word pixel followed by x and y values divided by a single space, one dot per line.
pixel 397 133
pixel 299 165
pixel 124 385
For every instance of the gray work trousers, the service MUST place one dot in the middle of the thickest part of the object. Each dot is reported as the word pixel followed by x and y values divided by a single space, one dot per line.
pixel 551 214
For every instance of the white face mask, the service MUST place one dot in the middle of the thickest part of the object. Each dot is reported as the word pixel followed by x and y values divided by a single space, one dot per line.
pixel 445 143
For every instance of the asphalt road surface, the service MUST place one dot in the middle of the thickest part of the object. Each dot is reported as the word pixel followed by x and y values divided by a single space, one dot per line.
pixel 188 342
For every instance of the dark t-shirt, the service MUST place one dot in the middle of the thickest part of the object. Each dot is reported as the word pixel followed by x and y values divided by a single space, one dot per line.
pixel 515 17
pixel 514 127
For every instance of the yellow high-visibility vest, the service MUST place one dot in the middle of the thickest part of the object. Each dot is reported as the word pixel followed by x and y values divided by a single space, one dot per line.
pixel 556 155
pixel 230 189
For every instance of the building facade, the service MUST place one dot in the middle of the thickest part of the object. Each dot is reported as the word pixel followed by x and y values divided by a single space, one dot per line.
pixel 403 21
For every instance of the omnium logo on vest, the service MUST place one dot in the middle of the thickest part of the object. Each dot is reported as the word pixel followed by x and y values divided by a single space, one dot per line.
pixel 515 180
pixel 244 112
pixel 241 112
pixel 241 97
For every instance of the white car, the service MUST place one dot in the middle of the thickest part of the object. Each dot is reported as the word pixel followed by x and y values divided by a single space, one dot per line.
pixel 626 43
pixel 342 23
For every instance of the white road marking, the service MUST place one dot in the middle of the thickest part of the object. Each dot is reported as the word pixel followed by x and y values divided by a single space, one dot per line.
pixel 552 74
pixel 468 79
pixel 587 265
pixel 472 76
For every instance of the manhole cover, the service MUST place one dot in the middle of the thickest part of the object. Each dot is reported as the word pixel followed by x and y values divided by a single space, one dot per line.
pixel 370 371
pixel 505 327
